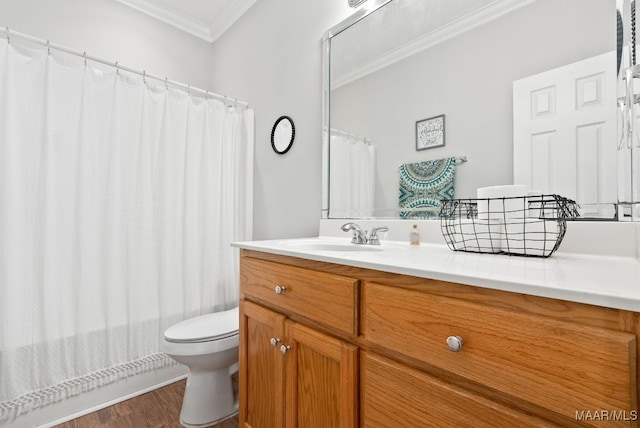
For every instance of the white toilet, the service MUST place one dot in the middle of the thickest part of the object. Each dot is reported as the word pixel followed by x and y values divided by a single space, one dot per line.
pixel 208 345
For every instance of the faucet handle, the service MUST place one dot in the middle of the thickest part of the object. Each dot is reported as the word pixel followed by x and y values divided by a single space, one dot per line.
pixel 373 238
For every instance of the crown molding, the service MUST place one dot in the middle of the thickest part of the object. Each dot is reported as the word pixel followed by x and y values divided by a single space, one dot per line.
pixel 229 16
pixel 207 32
pixel 459 26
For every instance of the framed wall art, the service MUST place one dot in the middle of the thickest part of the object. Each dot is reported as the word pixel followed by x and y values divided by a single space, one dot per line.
pixel 430 133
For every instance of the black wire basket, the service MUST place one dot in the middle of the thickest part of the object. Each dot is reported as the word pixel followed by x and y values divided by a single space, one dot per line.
pixel 522 225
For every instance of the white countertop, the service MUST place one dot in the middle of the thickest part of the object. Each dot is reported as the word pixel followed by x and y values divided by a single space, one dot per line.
pixel 603 280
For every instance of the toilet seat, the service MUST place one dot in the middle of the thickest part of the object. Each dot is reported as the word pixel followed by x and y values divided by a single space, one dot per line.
pixel 205 328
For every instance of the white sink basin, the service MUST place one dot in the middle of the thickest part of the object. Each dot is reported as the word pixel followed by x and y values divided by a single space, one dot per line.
pixel 320 245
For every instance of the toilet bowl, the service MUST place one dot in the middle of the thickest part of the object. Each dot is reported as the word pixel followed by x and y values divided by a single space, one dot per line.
pixel 208 346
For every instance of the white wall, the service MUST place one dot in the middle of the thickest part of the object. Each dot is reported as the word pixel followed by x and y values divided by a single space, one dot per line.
pixel 272 58
pixel 109 30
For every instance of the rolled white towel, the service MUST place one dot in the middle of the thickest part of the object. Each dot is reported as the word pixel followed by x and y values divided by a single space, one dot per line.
pixel 534 203
pixel 480 236
pixel 491 204
pixel 532 237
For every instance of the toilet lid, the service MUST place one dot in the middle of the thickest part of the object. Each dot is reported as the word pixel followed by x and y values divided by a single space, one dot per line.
pixel 203 328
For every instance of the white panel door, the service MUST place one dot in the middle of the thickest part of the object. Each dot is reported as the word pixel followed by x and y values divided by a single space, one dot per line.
pixel 564 126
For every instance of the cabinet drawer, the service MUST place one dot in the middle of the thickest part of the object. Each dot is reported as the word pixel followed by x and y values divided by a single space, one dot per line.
pixel 397 396
pixel 325 298
pixel 560 366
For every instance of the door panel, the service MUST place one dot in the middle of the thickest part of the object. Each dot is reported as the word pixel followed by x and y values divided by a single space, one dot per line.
pixel 321 380
pixel 564 132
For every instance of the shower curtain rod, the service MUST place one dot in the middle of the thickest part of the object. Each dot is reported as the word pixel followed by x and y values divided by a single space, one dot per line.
pixel 346 134
pixel 9 33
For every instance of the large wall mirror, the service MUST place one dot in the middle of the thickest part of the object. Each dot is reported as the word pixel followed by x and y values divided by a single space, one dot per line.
pixel 500 72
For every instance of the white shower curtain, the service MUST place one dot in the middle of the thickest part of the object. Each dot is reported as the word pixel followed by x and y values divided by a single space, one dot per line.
pixel 351 176
pixel 118 202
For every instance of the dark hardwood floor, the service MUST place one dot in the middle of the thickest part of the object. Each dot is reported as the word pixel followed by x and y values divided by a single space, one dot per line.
pixel 156 409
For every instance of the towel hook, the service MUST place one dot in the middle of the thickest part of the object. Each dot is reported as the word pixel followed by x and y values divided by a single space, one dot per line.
pixel 84 55
pixel 144 76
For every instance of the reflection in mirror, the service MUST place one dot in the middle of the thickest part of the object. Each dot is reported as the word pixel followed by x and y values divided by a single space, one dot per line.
pixel 480 63
pixel 282 135
pixel 353 174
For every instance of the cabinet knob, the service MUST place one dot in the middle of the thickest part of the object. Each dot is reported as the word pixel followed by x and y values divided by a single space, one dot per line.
pixel 280 289
pixel 455 343
pixel 285 348
pixel 275 341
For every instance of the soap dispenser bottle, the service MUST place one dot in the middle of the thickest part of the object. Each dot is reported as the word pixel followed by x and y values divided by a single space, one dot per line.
pixel 414 236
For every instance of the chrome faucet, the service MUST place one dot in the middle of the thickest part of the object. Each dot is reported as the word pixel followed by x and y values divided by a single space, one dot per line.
pixel 360 236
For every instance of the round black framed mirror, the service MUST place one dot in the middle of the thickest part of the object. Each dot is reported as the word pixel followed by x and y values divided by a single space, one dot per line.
pixel 282 135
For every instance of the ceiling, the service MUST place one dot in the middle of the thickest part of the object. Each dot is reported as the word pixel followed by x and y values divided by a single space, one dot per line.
pixel 205 19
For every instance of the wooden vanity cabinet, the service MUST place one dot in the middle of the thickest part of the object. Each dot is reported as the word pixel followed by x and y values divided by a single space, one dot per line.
pixel 370 349
pixel 291 374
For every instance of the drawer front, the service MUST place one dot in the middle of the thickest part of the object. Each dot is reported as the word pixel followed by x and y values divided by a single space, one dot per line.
pixel 560 366
pixel 396 396
pixel 325 298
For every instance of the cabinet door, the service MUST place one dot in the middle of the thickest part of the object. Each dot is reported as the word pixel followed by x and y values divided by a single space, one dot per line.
pixel 396 396
pixel 321 380
pixel 261 367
